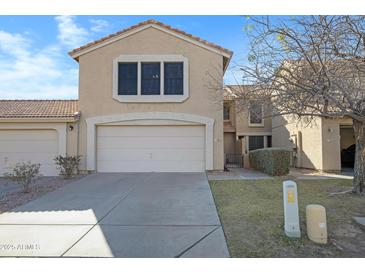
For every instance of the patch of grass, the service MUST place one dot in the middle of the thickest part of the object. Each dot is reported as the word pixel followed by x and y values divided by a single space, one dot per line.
pixel 251 212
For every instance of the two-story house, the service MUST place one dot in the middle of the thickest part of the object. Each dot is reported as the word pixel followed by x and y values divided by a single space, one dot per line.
pixel 144 105
pixel 246 128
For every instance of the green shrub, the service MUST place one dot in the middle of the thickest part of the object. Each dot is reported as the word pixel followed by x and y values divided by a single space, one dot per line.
pixel 273 161
pixel 24 174
pixel 67 165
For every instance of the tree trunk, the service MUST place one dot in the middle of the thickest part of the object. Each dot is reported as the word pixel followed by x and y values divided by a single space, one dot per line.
pixel 359 167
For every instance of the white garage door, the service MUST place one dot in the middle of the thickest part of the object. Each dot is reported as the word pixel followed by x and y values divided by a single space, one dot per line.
pixel 37 146
pixel 150 148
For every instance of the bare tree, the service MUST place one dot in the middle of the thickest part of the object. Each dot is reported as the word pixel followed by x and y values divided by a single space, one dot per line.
pixel 310 66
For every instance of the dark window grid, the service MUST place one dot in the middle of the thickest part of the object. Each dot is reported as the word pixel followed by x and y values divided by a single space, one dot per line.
pixel 127 78
pixel 255 142
pixel 150 82
pixel 173 78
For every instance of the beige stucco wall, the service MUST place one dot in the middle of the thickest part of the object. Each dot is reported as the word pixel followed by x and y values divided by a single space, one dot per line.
pixel 319 142
pixel 72 139
pixel 331 148
pixel 95 84
pixel 242 122
pixel 230 142
pixel 307 136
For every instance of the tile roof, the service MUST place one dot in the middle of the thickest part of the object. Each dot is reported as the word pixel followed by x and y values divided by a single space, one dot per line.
pixel 154 22
pixel 230 92
pixel 38 108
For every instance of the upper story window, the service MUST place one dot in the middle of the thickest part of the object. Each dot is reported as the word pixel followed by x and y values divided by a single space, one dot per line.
pixel 127 79
pixel 150 83
pixel 150 78
pixel 174 78
pixel 226 112
pixel 256 113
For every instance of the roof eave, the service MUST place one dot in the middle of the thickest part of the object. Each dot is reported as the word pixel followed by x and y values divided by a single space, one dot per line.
pixel 225 66
pixel 76 54
pixel 39 119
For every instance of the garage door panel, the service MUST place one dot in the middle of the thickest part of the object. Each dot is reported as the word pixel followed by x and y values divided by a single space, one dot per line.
pixel 47 167
pixel 150 148
pixel 150 131
pixel 29 146
pixel 28 135
pixel 37 146
pixel 152 154
pixel 148 142
pixel 147 166
pixel 32 156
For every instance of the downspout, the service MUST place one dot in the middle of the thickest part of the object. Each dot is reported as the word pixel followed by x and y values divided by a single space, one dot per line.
pixel 77 115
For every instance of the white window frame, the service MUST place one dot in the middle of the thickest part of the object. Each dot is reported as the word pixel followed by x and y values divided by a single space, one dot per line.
pixel 262 124
pixel 139 98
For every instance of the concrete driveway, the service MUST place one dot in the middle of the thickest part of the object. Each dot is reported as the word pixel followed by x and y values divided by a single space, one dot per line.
pixel 118 215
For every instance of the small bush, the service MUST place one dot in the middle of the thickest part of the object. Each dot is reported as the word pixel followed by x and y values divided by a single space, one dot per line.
pixel 67 165
pixel 24 174
pixel 273 161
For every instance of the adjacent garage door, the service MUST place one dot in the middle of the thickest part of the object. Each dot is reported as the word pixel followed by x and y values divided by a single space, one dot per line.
pixel 150 148
pixel 37 146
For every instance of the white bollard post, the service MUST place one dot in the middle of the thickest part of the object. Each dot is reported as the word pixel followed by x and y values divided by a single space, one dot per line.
pixel 291 213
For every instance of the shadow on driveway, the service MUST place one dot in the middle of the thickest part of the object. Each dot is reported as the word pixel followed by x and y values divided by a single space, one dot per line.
pixel 118 215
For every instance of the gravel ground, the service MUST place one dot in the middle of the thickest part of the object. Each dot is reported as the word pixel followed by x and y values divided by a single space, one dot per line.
pixel 12 195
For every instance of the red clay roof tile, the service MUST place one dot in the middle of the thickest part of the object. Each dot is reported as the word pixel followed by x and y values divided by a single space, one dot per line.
pixel 38 108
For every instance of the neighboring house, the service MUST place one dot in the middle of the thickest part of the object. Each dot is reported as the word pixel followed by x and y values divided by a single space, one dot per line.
pixel 317 144
pixel 37 131
pixel 145 104
pixel 245 129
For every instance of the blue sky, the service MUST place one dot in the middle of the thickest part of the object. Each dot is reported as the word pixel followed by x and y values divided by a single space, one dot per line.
pixel 34 63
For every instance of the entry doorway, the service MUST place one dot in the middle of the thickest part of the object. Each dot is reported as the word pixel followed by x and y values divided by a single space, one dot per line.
pixel 347 143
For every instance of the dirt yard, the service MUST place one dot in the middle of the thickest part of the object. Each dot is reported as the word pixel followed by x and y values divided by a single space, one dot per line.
pixel 251 213
pixel 11 194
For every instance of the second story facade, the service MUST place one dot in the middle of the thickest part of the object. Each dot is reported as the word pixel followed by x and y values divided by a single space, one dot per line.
pixel 151 81
pixel 246 127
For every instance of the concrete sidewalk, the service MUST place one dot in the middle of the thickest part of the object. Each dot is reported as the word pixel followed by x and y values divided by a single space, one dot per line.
pixel 295 173
pixel 237 174
pixel 118 215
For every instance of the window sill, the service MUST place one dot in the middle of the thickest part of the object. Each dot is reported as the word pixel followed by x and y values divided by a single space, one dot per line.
pixel 151 98
pixel 256 125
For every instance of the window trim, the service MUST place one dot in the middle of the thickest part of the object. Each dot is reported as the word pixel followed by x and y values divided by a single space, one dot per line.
pixel 264 141
pixel 247 141
pixel 262 124
pixel 151 98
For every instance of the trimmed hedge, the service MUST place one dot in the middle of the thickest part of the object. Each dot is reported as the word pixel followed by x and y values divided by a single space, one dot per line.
pixel 273 161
